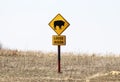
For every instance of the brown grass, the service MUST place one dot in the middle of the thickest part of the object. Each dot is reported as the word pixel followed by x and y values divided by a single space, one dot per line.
pixel 32 66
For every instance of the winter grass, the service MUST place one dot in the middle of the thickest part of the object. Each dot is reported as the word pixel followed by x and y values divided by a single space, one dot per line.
pixel 36 66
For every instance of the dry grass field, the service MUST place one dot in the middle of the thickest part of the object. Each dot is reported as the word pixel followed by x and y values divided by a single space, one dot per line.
pixel 29 66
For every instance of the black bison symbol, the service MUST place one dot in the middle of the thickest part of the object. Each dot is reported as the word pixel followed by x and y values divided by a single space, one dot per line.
pixel 59 23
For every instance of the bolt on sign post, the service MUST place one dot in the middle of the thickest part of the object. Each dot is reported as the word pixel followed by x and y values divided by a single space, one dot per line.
pixel 59 24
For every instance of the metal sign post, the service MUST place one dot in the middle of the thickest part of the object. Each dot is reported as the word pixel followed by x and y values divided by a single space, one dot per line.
pixel 59 60
pixel 59 40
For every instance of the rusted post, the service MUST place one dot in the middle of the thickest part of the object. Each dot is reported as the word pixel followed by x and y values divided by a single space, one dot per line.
pixel 59 60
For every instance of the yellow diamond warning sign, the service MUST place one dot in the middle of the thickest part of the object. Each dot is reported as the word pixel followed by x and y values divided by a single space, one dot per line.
pixel 59 40
pixel 59 24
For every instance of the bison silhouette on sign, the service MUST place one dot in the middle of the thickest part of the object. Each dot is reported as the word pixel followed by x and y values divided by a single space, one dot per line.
pixel 59 23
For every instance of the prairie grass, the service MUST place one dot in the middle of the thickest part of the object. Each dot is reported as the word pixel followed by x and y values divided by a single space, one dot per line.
pixel 36 66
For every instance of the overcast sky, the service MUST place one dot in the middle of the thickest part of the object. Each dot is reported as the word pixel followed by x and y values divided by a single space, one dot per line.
pixel 94 25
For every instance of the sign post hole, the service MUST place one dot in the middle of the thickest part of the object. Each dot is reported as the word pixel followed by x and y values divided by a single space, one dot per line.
pixel 59 59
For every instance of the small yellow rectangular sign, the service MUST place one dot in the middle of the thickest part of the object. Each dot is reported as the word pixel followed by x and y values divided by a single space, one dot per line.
pixel 59 40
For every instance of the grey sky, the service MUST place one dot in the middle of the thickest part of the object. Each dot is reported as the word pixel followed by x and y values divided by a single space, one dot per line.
pixel 94 24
